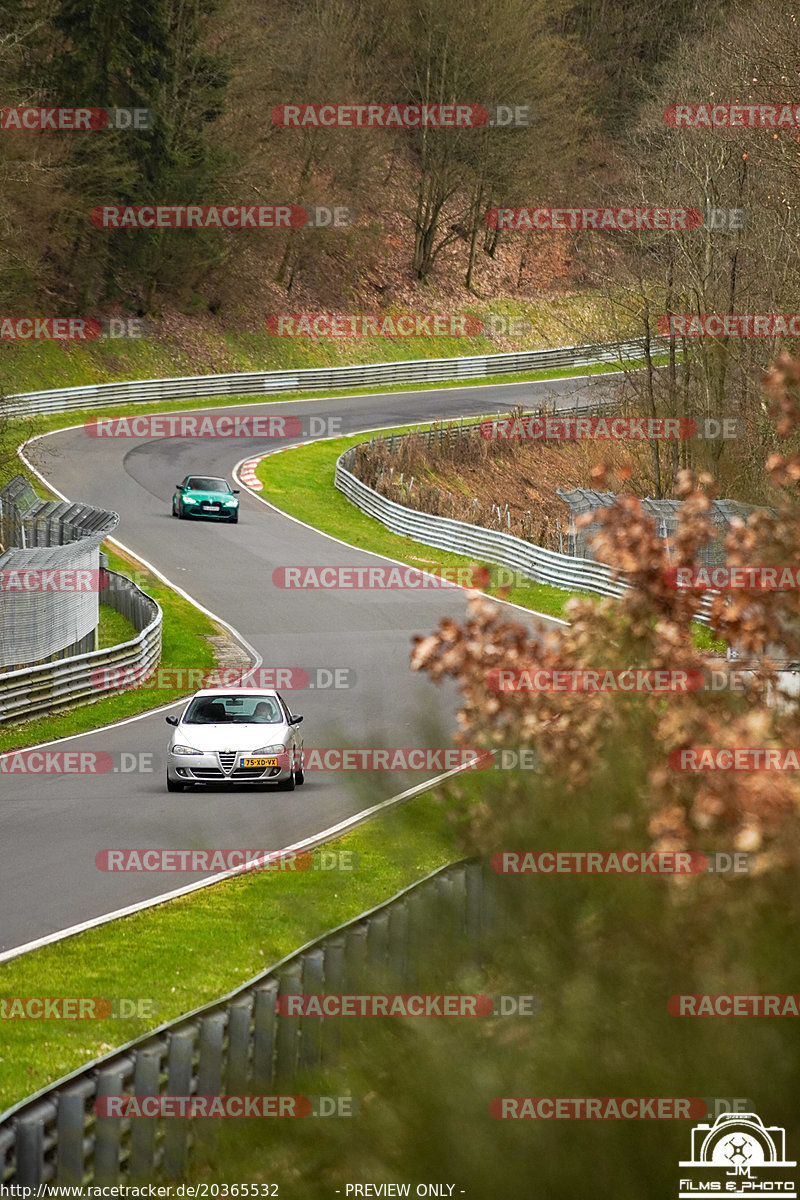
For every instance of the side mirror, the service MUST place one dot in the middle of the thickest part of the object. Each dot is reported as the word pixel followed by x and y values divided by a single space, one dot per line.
pixel 171 720
pixel 235 491
pixel 295 720
pixel 179 486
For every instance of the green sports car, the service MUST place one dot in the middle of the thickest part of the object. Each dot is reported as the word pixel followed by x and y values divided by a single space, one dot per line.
pixel 205 496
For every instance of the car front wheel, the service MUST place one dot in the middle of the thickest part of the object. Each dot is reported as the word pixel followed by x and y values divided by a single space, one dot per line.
pixel 173 786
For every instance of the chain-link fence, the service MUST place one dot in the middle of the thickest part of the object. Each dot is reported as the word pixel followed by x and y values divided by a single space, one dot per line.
pixel 665 515
pixel 47 610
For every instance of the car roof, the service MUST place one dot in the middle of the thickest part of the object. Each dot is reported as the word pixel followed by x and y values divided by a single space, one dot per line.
pixel 234 691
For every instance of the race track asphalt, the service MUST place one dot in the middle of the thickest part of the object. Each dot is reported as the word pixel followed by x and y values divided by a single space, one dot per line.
pixel 51 827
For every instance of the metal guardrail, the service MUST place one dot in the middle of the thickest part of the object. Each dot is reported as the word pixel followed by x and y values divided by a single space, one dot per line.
pixel 239 1045
pixel 486 545
pixel 262 383
pixel 33 691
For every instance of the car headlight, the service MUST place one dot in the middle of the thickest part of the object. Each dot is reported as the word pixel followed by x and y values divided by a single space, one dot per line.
pixel 230 503
pixel 271 750
pixel 190 500
pixel 186 750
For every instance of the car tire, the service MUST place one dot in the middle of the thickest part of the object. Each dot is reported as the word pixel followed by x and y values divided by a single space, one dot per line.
pixel 300 776
pixel 181 513
pixel 234 520
pixel 288 785
pixel 172 786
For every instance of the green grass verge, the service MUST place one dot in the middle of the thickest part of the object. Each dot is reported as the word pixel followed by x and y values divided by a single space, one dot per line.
pixel 214 349
pixel 300 482
pixel 114 629
pixel 185 643
pixel 197 948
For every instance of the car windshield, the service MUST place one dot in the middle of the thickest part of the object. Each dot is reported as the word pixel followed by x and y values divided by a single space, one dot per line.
pixel 233 710
pixel 201 483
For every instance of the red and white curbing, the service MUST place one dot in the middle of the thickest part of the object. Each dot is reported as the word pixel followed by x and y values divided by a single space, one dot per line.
pixel 248 474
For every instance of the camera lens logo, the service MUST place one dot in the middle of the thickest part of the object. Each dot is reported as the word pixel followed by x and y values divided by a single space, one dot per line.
pixel 738 1155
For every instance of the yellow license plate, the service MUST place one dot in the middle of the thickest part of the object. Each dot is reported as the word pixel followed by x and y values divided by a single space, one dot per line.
pixel 258 762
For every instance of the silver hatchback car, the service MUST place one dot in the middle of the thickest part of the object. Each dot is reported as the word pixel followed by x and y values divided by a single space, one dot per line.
pixel 235 735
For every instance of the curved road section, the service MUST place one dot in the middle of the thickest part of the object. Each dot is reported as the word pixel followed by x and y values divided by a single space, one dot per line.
pixel 52 826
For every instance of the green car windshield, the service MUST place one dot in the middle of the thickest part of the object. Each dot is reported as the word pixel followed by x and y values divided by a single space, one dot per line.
pixel 199 483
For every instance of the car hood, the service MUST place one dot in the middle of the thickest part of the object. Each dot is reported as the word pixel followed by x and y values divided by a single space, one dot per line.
pixel 229 737
pixel 208 497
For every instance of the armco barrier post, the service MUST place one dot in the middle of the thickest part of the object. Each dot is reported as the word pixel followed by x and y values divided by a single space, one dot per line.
pixel 311 1027
pixel 335 975
pixel 239 1017
pixel 473 903
pixel 71 1118
pixel 378 946
pixel 264 1028
pixel 287 1040
pixel 356 978
pixel 179 1083
pixel 419 904
pixel 30 1143
pixel 209 1075
pixel 146 1077
pixel 108 1130
pixel 7 1151
pixel 398 939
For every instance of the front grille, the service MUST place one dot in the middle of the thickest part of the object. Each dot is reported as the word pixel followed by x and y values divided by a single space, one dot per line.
pixel 207 773
pixel 226 761
pixel 248 773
